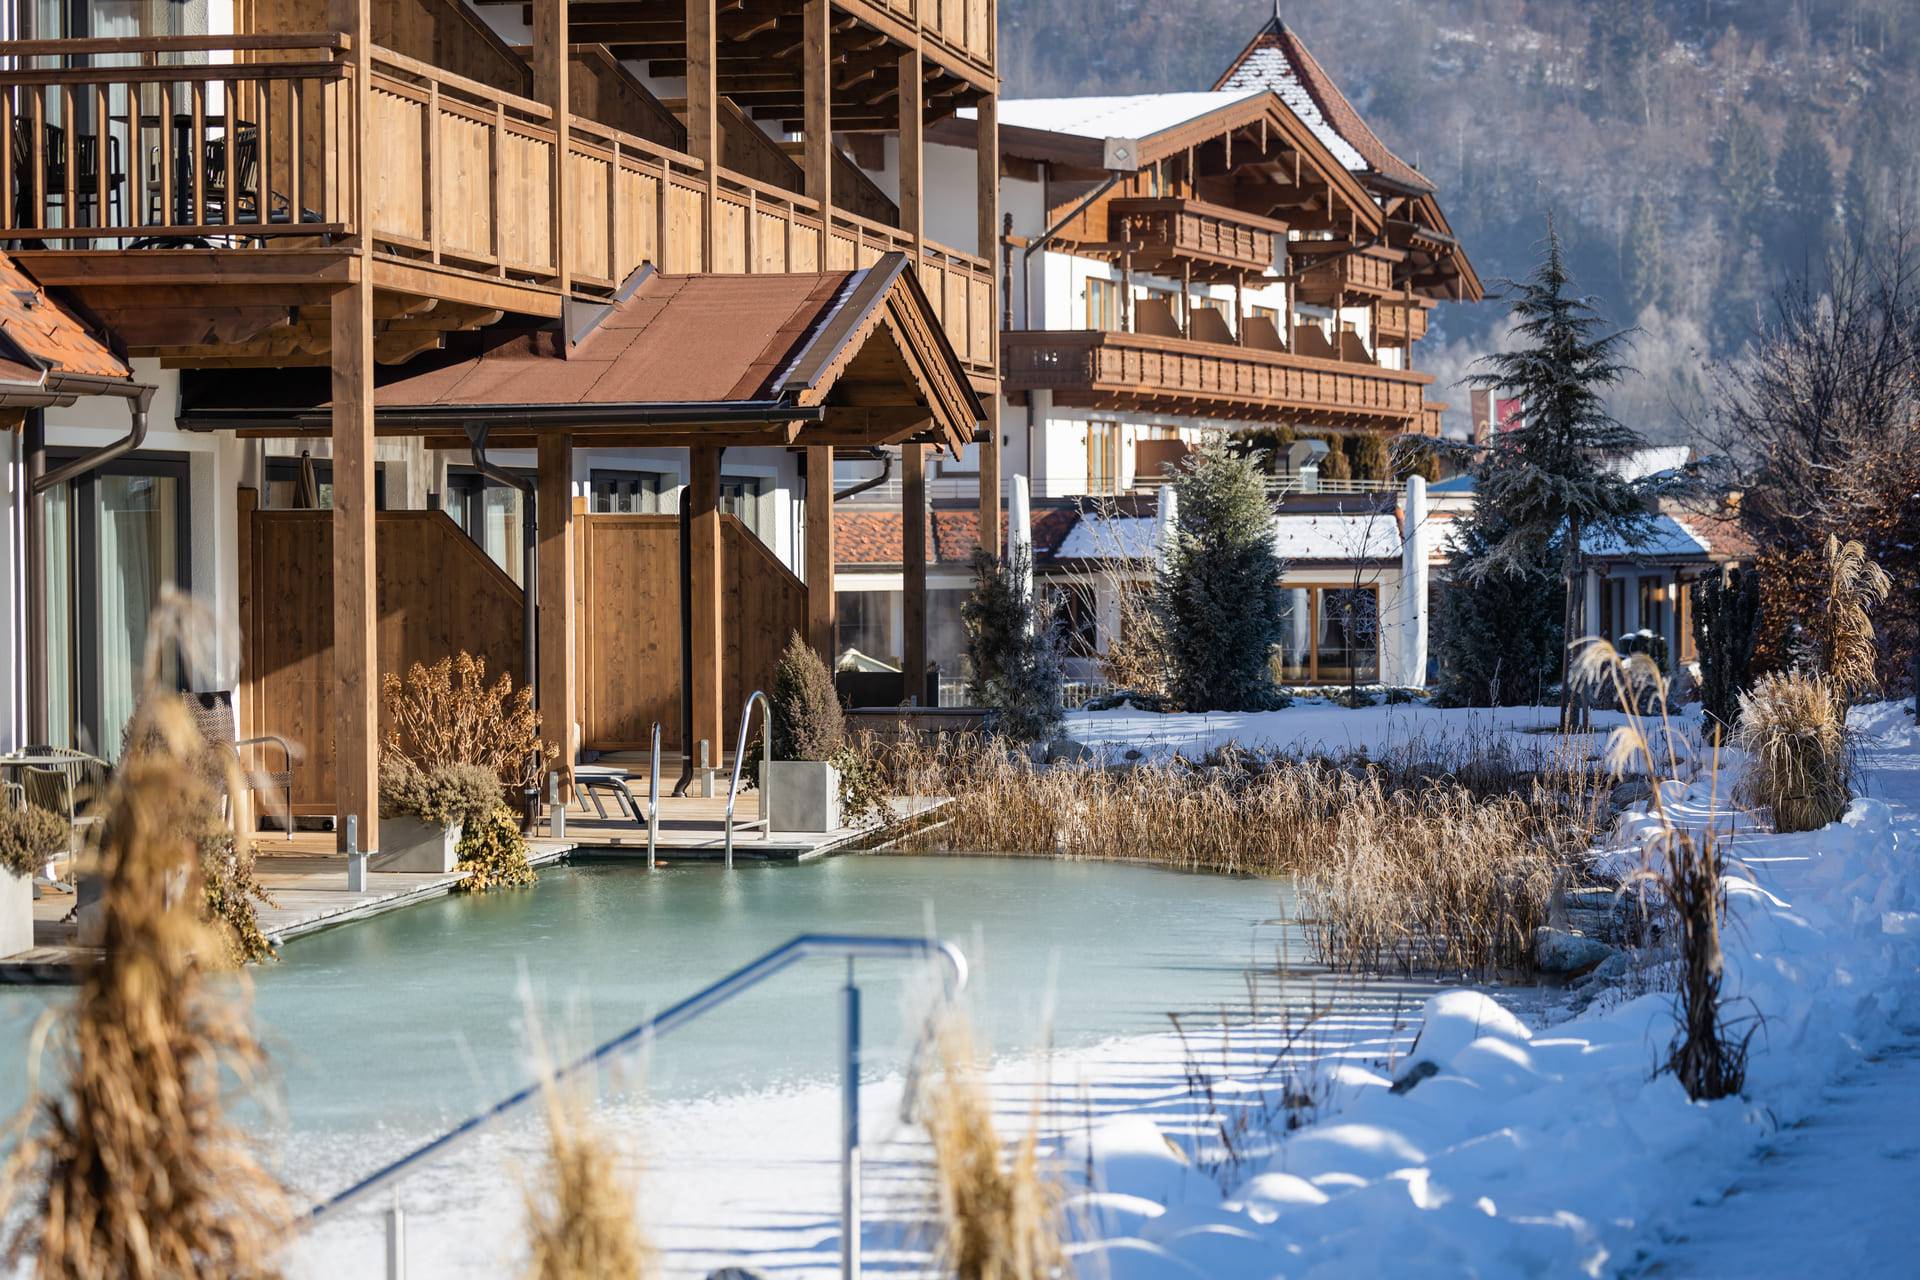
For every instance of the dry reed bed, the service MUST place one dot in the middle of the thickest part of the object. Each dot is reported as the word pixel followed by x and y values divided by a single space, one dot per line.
pixel 1443 857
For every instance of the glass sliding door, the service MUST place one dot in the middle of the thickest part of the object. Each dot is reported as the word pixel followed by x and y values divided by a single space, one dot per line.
pixel 114 540
pixel 1329 635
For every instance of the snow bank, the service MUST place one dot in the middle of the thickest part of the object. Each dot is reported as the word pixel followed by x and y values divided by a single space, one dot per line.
pixel 1497 1149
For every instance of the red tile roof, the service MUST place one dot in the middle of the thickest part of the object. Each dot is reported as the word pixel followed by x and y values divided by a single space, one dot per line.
pixel 872 537
pixel 38 333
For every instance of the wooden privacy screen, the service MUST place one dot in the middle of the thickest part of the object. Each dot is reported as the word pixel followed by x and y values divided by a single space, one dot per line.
pixel 627 593
pixel 438 593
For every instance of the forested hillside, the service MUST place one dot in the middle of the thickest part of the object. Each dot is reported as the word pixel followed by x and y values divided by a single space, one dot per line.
pixel 1694 151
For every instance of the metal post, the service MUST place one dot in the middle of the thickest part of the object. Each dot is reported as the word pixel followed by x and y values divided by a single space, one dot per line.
pixel 356 860
pixel 556 812
pixel 396 1240
pixel 850 1131
pixel 653 797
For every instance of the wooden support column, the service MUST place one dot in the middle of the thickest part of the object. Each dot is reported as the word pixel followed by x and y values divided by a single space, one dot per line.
pixel 913 576
pixel 817 113
pixel 987 196
pixel 822 616
pixel 356 654
pixel 913 116
pixel 558 644
pixel 703 121
pixel 550 86
pixel 1240 308
pixel 707 635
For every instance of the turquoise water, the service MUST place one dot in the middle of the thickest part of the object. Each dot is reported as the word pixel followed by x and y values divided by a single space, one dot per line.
pixel 413 1019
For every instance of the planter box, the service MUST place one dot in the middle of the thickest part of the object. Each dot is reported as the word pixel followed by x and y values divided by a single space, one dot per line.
pixel 413 845
pixel 803 795
pixel 16 914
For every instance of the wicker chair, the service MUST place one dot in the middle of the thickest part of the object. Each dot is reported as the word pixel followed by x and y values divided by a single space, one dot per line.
pixel 213 716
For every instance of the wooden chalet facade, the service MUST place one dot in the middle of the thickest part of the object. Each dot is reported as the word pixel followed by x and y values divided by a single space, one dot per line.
pixel 578 253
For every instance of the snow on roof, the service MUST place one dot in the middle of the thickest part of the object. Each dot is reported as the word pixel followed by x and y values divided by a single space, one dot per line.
pixel 1097 537
pixel 1642 463
pixel 1665 539
pixel 1137 116
pixel 1269 68
pixel 1331 536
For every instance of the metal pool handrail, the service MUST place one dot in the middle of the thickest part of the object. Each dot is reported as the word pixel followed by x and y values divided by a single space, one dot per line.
pixel 653 797
pixel 850 946
pixel 739 754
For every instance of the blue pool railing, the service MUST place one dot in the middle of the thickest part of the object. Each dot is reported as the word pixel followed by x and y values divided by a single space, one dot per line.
pixel 851 947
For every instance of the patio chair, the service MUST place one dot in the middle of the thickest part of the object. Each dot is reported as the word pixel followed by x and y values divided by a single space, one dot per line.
pixel 213 717
pixel 68 789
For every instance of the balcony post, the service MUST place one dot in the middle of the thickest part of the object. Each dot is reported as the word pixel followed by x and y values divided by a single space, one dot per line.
pixel 1126 275
pixel 1240 308
pixel 554 582
pixel 706 638
pixel 550 59
pixel 913 570
pixel 703 121
pixel 356 655
pixel 913 115
pixel 817 114
pixel 822 617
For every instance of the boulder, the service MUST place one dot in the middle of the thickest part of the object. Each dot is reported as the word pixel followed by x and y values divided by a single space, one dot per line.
pixel 1566 954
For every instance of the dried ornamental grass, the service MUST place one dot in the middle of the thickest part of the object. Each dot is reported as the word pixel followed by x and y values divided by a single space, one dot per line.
pixel 135 1170
pixel 1843 625
pixel 1000 1217
pixel 581 1223
pixel 1802 766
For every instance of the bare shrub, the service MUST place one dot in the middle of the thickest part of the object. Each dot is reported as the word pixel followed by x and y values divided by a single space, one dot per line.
pixel 448 714
pixel 439 794
pixel 1801 769
pixel 999 1216
pixel 29 836
pixel 135 1169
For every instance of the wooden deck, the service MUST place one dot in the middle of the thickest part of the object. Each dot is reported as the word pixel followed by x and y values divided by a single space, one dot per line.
pixel 694 829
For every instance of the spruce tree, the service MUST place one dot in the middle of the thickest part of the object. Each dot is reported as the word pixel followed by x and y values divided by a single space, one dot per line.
pixel 1726 629
pixel 1216 591
pixel 1013 648
pixel 1497 636
pixel 1553 475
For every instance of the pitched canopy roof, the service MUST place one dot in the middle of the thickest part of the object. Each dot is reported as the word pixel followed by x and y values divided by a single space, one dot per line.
pixel 840 357
pixel 44 345
pixel 1277 60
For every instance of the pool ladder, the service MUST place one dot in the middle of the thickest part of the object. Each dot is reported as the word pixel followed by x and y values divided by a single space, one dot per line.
pixel 851 947
pixel 764 821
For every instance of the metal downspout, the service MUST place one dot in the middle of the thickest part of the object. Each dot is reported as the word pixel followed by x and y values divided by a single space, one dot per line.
pixel 529 531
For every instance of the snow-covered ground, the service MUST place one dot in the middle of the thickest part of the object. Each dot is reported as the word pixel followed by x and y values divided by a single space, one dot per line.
pixel 1495 1147
pixel 1522 1138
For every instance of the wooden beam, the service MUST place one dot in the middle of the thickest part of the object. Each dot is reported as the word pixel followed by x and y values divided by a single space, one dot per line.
pixel 551 59
pixel 708 634
pixel 703 124
pixel 913 569
pixel 987 202
pixel 355 696
pixel 817 115
pixel 554 514
pixel 822 616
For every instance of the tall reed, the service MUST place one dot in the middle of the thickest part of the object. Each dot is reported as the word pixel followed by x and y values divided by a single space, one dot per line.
pixel 134 1169
pixel 1793 727
pixel 999 1215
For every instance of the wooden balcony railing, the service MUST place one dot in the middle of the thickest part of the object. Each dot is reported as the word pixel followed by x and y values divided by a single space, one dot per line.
pixel 1402 323
pixel 1216 242
pixel 1368 272
pixel 962 27
pixel 1139 372
pixel 249 145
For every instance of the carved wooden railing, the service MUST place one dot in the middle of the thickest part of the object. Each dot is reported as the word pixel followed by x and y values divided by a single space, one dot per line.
pixel 465 179
pixel 1367 271
pixel 962 27
pixel 1210 236
pixel 1140 371
pixel 1402 323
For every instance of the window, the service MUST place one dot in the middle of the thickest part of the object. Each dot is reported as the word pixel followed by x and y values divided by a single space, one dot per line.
pixel 1329 635
pixel 744 497
pixel 864 623
pixel 1103 457
pixel 493 516
pixel 287 489
pixel 632 492
pixel 1655 608
pixel 1077 614
pixel 113 540
pixel 1103 304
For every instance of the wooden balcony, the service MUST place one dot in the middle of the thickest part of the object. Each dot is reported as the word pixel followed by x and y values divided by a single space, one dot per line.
pixel 1330 272
pixel 1402 324
pixel 219 161
pixel 1213 242
pixel 1149 374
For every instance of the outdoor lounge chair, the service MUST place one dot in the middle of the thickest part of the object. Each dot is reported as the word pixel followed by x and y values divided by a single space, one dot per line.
pixel 213 716
pixel 69 789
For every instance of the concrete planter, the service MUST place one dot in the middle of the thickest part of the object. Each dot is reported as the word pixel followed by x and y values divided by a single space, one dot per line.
pixel 803 795
pixel 415 845
pixel 16 913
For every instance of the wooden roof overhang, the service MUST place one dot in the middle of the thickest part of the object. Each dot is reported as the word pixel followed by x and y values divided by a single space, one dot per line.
pixel 760 47
pixel 842 358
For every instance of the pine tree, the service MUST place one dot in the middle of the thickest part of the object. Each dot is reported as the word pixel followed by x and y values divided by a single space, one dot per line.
pixel 1497 636
pixel 1217 589
pixel 1804 179
pixel 1726 628
pixel 1552 477
pixel 1013 647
